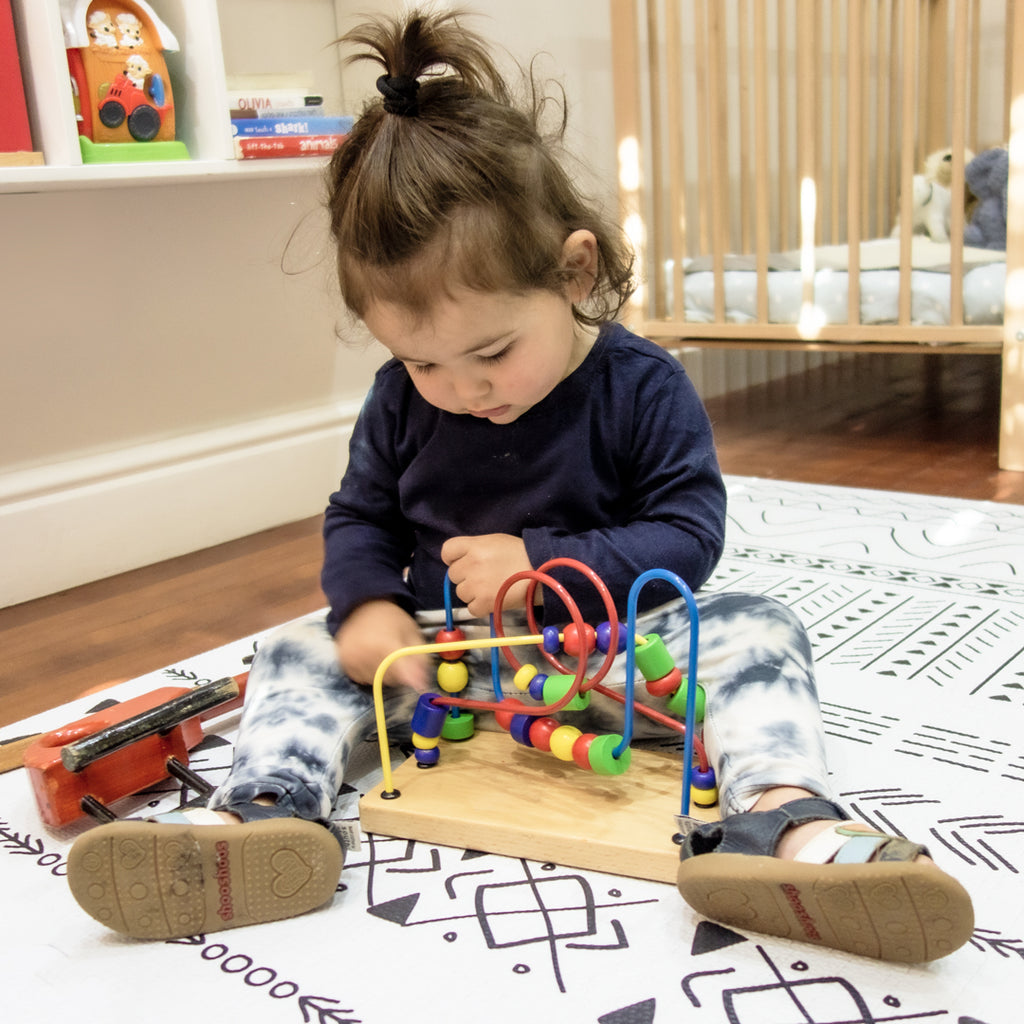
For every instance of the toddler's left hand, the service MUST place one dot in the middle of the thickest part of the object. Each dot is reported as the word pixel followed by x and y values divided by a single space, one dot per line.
pixel 478 566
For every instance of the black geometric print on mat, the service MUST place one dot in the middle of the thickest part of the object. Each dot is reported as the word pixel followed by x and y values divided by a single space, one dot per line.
pixel 638 1013
pixel 544 907
pixel 959 748
pixel 991 941
pixel 709 937
pixel 811 1000
pixel 857 724
pixel 988 841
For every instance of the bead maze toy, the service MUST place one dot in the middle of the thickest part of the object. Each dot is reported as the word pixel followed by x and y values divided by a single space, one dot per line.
pixel 529 798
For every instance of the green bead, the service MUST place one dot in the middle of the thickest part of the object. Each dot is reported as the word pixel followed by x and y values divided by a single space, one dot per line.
pixel 677 703
pixel 600 755
pixel 457 728
pixel 556 687
pixel 652 657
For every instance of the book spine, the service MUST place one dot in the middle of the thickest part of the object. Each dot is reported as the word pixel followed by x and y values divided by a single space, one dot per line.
pixel 257 148
pixel 276 127
pixel 265 101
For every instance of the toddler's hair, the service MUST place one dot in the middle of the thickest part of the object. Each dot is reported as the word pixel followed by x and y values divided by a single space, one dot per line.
pixel 444 181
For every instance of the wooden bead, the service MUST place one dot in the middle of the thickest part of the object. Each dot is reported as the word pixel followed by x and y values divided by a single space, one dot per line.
pixel 424 742
pixel 510 706
pixel 604 638
pixel 519 729
pixel 653 658
pixel 677 703
pixel 452 676
pixel 557 686
pixel 523 677
pixel 450 636
pixel 577 646
pixel 540 733
pixel 666 684
pixel 428 718
pixel 602 759
pixel 704 797
pixel 581 750
pixel 458 727
pixel 552 642
pixel 537 686
pixel 562 740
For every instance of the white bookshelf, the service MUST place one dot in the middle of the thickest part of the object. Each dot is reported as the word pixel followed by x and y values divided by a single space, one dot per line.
pixel 237 35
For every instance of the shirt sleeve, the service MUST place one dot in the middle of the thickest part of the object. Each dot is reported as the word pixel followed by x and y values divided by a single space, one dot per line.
pixel 673 512
pixel 367 542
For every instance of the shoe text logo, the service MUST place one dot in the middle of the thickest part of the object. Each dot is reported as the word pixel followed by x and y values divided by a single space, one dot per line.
pixel 225 910
pixel 792 894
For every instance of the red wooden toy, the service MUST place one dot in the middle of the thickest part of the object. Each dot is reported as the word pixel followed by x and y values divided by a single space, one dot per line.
pixel 81 767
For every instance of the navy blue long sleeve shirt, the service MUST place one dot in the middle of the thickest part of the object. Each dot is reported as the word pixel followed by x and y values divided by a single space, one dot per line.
pixel 616 467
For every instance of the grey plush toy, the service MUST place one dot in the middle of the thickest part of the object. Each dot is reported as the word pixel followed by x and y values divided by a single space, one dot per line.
pixel 988 178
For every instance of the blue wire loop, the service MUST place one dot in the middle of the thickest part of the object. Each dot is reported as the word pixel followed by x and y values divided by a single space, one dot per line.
pixel 691 679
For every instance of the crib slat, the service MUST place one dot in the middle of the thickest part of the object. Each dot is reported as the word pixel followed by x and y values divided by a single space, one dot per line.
pixel 761 152
pixel 677 155
pixel 805 146
pixel 854 148
pixel 909 43
pixel 719 148
pixel 957 133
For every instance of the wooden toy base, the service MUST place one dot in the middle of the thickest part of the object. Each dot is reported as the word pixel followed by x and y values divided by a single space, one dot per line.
pixel 490 793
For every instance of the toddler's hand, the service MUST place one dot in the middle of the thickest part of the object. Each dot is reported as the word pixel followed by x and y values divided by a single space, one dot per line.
pixel 372 632
pixel 478 566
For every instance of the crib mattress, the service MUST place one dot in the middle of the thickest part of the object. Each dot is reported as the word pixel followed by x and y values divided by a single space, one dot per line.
pixel 984 284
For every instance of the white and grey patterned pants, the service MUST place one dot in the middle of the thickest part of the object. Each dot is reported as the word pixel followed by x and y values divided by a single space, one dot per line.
pixel 762 727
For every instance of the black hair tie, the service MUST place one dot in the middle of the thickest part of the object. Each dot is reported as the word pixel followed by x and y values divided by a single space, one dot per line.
pixel 399 94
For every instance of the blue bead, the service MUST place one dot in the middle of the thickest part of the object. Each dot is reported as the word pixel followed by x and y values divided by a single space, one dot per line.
pixel 552 644
pixel 537 686
pixel 604 638
pixel 427 757
pixel 428 718
pixel 519 729
pixel 702 780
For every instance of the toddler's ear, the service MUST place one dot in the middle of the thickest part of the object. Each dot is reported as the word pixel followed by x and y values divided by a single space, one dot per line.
pixel 580 257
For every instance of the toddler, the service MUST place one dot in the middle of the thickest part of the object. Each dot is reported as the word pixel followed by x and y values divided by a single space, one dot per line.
pixel 515 422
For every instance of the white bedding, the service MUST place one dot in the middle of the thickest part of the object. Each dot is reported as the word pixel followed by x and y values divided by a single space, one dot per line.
pixel 984 284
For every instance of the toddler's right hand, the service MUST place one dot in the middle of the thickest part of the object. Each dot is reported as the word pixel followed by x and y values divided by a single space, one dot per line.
pixel 372 632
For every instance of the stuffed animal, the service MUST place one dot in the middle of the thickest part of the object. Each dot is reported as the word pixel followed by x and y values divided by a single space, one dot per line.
pixel 931 210
pixel 988 176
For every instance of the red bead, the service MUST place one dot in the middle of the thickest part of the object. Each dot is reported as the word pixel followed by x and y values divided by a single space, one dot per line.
pixel 540 733
pixel 450 636
pixel 571 643
pixel 666 684
pixel 581 750
pixel 504 718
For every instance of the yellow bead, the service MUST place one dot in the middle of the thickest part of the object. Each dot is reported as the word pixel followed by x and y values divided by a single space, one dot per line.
pixel 424 742
pixel 704 797
pixel 452 676
pixel 523 676
pixel 562 740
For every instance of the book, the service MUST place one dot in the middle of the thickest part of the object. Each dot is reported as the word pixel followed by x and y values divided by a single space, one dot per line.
pixel 15 136
pixel 264 101
pixel 255 147
pixel 291 126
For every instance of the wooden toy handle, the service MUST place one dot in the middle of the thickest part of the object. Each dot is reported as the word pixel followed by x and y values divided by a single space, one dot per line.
pixel 162 718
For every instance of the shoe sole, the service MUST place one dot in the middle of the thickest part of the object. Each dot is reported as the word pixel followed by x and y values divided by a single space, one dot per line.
pixel 163 881
pixel 905 912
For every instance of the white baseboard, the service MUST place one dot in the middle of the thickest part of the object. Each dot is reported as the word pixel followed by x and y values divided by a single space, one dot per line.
pixel 69 523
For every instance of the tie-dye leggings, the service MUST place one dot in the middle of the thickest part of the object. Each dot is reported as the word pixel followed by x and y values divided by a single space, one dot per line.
pixel 762 726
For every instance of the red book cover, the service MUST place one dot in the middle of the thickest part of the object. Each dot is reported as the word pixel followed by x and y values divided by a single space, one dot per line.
pixel 259 148
pixel 15 136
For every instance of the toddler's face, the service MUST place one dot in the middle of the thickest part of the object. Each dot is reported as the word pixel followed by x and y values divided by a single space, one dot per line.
pixel 487 354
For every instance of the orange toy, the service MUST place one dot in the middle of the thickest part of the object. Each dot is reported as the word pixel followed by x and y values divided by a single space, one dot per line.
pixel 126 748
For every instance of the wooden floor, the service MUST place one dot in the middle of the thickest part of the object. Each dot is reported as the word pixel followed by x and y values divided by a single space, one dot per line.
pixel 905 423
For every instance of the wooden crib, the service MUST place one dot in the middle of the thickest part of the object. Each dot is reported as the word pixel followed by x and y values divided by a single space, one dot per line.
pixel 767 153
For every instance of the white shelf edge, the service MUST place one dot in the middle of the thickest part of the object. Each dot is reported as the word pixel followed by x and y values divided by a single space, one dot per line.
pixel 89 176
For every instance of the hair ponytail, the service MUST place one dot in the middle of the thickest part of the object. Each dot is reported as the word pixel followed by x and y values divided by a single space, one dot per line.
pixel 444 181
